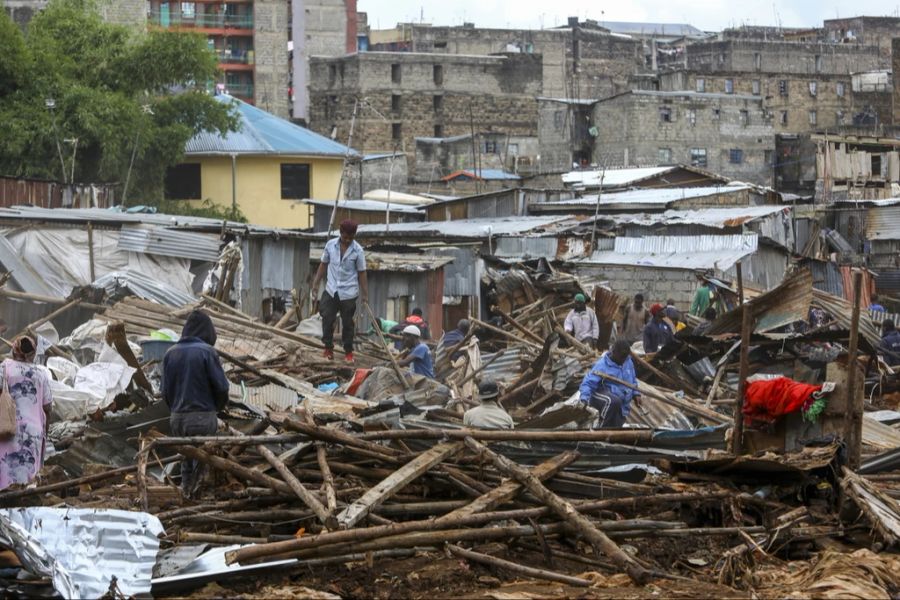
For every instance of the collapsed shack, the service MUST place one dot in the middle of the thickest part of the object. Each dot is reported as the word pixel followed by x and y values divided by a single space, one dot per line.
pixel 339 479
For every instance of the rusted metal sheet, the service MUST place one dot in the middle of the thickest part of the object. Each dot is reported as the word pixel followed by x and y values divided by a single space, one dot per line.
pixel 787 303
pixel 50 194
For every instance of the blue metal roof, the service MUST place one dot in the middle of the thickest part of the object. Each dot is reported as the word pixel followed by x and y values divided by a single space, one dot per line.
pixel 260 132
pixel 483 174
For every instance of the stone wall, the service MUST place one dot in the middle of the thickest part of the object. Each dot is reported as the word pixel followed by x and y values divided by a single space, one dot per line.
pixel 871 31
pixel 124 12
pixel 896 94
pixel 320 28
pixel 633 132
pixel 272 69
pixel 751 56
pixel 657 285
pixel 375 174
pixel 488 94
pixel 563 135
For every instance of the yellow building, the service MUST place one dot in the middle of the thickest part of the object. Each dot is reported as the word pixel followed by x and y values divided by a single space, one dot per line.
pixel 265 168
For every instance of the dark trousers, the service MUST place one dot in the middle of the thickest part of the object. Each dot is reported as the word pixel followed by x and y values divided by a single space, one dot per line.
pixel 610 408
pixel 329 307
pixel 186 425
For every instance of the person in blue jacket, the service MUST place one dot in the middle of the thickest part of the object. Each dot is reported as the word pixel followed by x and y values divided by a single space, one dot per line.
pixel 611 399
pixel 195 388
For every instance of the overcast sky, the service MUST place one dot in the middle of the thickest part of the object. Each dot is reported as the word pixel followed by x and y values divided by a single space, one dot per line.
pixel 710 15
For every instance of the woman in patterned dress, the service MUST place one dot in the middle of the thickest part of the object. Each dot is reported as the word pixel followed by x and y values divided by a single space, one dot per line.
pixel 22 456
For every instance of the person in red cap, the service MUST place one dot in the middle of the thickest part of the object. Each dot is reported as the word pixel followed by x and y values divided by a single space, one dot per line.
pixel 657 333
pixel 344 268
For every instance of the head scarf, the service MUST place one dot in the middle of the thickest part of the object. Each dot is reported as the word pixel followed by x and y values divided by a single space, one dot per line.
pixel 24 349
pixel 348 227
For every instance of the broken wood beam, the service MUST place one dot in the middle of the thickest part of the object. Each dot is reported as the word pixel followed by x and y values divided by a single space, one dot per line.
pixel 565 510
pixel 621 436
pixel 519 326
pixel 516 568
pixel 334 436
pixel 422 463
pixel 236 469
pixel 307 497
pixel 115 336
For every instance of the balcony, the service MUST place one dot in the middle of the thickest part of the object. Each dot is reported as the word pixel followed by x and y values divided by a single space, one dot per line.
pixel 241 90
pixel 234 57
pixel 201 21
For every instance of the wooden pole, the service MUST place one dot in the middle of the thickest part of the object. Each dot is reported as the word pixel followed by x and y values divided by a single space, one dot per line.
pixel 493 561
pixel 853 421
pixel 400 375
pixel 740 283
pixel 90 236
pixel 737 435
pixel 327 477
pixel 565 510
pixel 620 436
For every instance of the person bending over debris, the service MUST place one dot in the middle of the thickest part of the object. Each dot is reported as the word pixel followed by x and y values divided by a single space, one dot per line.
pixel 890 343
pixel 454 337
pixel 709 315
pixel 418 356
pixel 581 323
pixel 489 415
pixel 344 268
pixel 612 400
pixel 22 455
pixel 657 333
pixel 636 317
pixel 195 388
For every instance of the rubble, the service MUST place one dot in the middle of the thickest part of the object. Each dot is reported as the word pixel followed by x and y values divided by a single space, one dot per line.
pixel 331 479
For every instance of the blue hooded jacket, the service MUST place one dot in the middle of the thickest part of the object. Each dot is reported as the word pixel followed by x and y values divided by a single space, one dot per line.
pixel 193 378
pixel 606 366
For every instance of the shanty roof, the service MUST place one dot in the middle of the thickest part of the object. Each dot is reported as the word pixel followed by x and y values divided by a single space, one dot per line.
pixel 483 174
pixel 710 217
pixel 640 28
pixel 718 252
pixel 649 197
pixel 464 228
pixel 366 206
pixel 262 133
pixel 883 223
pixel 116 216
pixel 627 177
pixel 578 101
pixel 409 263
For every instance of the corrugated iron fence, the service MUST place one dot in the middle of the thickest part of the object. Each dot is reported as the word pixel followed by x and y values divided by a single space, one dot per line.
pixel 51 194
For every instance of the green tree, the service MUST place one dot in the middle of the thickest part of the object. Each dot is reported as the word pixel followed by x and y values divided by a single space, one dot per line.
pixel 123 95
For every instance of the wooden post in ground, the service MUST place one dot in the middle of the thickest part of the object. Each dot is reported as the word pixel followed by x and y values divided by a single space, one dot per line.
pixel 737 434
pixel 853 423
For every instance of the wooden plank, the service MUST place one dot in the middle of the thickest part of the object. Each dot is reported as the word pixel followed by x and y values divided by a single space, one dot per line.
pixel 493 561
pixel 351 515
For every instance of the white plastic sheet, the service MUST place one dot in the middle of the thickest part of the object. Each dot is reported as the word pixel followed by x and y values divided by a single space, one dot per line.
pixel 61 258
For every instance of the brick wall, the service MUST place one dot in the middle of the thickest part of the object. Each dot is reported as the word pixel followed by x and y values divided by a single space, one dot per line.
pixel 272 70
pixel 871 31
pixel 657 285
pixel 319 29
pixel 632 132
pixel 124 12
pixel 896 94
pixel 751 56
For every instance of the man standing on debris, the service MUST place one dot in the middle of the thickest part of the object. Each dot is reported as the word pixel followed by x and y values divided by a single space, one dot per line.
pixel 454 337
pixel 489 415
pixel 195 388
pixel 703 298
pixel 636 317
pixel 658 332
pixel 889 347
pixel 581 323
pixel 344 268
pixel 418 354
pixel 611 399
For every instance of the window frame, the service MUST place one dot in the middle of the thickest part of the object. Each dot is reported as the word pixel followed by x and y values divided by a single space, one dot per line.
pixel 290 167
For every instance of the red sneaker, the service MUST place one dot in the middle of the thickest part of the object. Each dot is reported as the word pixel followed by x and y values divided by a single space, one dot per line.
pixel 329 354
pixel 348 357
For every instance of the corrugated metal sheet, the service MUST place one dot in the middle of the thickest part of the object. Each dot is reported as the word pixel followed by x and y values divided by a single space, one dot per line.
pixel 50 194
pixel 411 263
pixel 883 223
pixel 887 282
pixel 83 549
pixel 26 279
pixel 504 369
pixel 826 277
pixel 260 132
pixel 678 252
pixel 143 287
pixel 612 177
pixel 786 304
pixel 765 268
pixel 524 248
pixel 462 276
pixel 465 229
pixel 652 197
pixel 266 397
pixel 167 242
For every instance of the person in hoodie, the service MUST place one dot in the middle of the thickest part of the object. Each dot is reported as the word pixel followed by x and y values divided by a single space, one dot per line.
pixel 195 388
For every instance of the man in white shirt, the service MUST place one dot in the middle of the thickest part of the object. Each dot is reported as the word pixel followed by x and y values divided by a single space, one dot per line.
pixel 581 323
pixel 489 415
pixel 344 268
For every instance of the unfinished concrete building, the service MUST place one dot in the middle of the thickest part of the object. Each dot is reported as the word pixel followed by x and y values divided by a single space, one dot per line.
pixel 400 96
pixel 729 134
pixel 564 133
pixel 864 31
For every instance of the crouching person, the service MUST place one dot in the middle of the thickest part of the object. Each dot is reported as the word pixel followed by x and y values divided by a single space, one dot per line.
pixel 195 388
pixel 612 400
pixel 488 415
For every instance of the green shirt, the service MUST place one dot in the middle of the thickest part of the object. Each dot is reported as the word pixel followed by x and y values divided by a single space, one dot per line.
pixel 702 298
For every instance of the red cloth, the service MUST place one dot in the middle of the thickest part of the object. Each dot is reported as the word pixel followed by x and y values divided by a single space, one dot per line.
pixel 656 308
pixel 767 400
pixel 359 376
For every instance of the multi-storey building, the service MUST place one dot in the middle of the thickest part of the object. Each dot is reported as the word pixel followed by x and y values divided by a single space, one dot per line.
pixel 249 37
pixel 392 98
pixel 729 134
